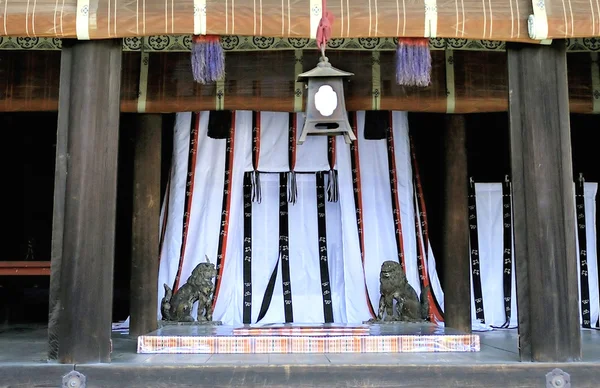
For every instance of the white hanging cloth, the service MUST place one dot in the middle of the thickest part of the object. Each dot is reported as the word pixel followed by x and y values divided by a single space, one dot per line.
pixel 490 219
pixel 207 215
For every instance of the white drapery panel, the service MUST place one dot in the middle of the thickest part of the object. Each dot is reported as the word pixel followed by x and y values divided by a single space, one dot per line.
pixel 303 253
pixel 490 238
pixel 590 190
pixel 215 220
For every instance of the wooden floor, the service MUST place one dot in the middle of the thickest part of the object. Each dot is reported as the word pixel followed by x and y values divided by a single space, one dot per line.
pixel 23 364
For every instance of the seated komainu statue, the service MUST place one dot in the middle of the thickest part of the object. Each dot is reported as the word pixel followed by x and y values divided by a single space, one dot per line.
pixel 395 287
pixel 199 288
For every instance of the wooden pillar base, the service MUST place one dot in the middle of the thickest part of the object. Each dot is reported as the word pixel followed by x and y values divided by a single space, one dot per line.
pixel 543 203
pixel 89 116
pixel 457 280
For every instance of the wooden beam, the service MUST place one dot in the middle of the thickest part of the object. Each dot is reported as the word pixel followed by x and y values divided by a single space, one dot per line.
pixel 92 125
pixel 480 83
pixel 543 197
pixel 24 268
pixel 145 224
pixel 457 280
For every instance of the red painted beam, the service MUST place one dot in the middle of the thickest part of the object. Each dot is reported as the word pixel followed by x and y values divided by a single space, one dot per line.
pixel 24 268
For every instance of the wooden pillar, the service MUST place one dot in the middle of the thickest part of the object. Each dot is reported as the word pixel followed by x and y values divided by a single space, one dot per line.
pixel 91 71
pixel 58 213
pixel 145 224
pixel 457 279
pixel 544 210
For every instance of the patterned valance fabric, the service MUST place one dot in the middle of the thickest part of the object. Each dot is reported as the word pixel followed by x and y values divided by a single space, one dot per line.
pixel 233 43
pixel 504 20
pixel 559 19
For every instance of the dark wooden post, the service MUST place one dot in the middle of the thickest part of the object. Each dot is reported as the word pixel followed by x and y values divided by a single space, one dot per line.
pixel 145 228
pixel 91 70
pixel 457 279
pixel 544 210
pixel 58 213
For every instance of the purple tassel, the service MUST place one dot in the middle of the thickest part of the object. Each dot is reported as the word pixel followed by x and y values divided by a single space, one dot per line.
pixel 208 59
pixel 413 62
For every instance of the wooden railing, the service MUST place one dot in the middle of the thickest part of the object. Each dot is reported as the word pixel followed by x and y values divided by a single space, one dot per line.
pixel 24 268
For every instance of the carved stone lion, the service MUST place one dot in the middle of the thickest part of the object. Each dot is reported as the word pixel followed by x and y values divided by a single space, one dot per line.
pixel 395 287
pixel 199 288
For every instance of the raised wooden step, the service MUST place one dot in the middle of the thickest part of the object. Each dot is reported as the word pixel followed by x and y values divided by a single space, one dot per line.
pixel 299 338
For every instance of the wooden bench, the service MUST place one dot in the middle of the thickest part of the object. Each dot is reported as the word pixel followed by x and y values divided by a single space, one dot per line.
pixel 24 268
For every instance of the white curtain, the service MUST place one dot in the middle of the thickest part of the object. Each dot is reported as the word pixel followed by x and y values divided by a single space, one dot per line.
pixel 346 277
pixel 490 238
pixel 590 189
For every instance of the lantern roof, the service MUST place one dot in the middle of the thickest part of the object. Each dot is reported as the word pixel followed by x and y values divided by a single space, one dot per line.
pixel 323 69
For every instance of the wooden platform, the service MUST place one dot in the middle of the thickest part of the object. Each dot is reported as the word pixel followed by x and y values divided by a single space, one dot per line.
pixel 23 364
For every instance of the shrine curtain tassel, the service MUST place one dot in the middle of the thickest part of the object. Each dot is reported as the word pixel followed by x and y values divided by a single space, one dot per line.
pixel 413 62
pixel 208 58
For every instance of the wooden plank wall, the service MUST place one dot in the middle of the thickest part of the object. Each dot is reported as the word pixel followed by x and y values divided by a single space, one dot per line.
pixel 29 82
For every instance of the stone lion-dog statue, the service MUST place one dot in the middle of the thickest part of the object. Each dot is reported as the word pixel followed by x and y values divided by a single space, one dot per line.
pixel 199 288
pixel 395 287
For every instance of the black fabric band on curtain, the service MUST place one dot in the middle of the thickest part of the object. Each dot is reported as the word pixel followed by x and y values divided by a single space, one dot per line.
pixel 394 193
pixel 356 188
pixel 163 226
pixel 222 248
pixel 422 231
pixel 189 194
pixel 247 268
pixel 284 248
pixel 377 124
pixel 323 257
pixel 256 193
pixel 419 233
pixel 219 123
pixel 507 252
pixel 292 194
pixel 266 302
pixel 284 258
pixel 422 212
pixel 420 253
pixel 474 243
pixel 583 267
pixel 598 261
pixel 332 181
pixel 421 257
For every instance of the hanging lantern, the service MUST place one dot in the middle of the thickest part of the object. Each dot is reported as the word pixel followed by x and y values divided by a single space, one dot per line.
pixel 326 107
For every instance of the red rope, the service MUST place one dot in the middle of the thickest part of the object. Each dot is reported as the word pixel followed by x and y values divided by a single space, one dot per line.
pixel 205 38
pixel 324 29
